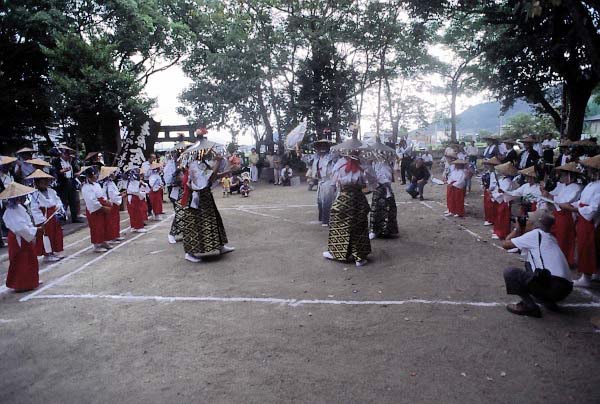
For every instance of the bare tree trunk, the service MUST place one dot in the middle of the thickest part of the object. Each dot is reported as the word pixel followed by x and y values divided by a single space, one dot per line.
pixel 578 97
pixel 453 112
pixel 264 113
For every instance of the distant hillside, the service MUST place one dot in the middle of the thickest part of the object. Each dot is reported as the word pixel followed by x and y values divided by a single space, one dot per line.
pixel 482 116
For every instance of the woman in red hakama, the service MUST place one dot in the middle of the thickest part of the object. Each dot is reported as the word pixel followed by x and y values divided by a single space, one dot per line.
pixel 45 204
pixel 112 195
pixel 97 211
pixel 455 196
pixel 23 264
pixel 156 190
pixel 136 206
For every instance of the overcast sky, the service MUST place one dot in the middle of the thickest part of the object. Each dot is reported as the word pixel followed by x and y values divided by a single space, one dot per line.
pixel 167 85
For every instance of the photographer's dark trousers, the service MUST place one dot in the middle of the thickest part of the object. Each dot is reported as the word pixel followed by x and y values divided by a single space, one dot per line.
pixel 405 168
pixel 522 283
pixel 70 197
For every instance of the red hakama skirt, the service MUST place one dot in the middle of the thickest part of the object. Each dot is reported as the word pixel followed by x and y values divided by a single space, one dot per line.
pixel 142 206
pixel 565 233
pixel 502 221
pixel 457 200
pixel 113 225
pixel 97 222
pixel 23 265
pixel 156 201
pixel 586 246
pixel 53 231
pixel 136 216
pixel 488 207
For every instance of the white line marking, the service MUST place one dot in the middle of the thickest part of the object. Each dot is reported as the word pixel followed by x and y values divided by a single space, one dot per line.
pixel 267 215
pixel 87 264
pixel 266 207
pixel 290 302
pixel 156 252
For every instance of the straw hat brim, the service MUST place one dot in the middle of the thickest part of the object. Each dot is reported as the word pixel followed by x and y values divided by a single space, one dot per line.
pixel 15 190
pixel 493 161
pixel 528 172
pixel 106 171
pixel 569 167
pixel 459 162
pixel 529 139
pixel 506 169
pixel 7 160
pixel 38 174
pixel 64 147
pixel 592 162
pixel 38 162
pixel 25 150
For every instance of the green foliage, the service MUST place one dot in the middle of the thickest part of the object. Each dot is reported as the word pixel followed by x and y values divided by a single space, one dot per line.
pixel 522 125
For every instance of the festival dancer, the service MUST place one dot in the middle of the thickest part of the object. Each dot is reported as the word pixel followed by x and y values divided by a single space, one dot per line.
pixel 136 205
pixel 115 198
pixel 530 192
pixel 321 167
pixel 175 196
pixel 97 210
pixel 587 209
pixel 489 182
pixel 155 184
pixel 455 195
pixel 503 200
pixel 566 192
pixel 45 206
pixel 23 265
pixel 349 225
pixel 203 230
pixel 383 223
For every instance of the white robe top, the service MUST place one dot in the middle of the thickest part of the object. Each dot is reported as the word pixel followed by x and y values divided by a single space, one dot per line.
pixel 339 174
pixel 383 172
pixel 46 200
pixel 155 181
pixel 530 193
pixel 169 171
pixel 457 178
pixel 6 179
pixel 322 166
pixel 17 220
pixel 505 184
pixel 92 193
pixel 589 202
pixel 111 192
pixel 565 193
pixel 494 181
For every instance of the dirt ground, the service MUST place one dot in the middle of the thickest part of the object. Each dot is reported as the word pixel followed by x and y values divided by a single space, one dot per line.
pixel 274 322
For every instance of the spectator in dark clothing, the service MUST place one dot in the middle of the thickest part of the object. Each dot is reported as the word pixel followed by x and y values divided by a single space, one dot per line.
pixel 235 184
pixel 512 155
pixel 65 167
pixel 528 157
pixel 419 177
pixel 546 276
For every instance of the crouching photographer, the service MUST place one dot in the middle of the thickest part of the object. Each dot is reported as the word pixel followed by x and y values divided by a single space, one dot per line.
pixel 546 276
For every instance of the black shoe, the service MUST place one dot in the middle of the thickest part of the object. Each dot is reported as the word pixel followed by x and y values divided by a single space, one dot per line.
pixel 522 310
pixel 421 198
pixel 77 221
pixel 550 306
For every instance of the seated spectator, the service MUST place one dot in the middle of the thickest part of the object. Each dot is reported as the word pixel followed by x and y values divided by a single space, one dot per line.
pixel 286 176
pixel 245 188
pixel 420 176
pixel 546 275
pixel 235 184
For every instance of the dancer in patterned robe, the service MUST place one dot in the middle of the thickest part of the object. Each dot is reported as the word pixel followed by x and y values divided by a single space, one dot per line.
pixel 384 221
pixel 175 195
pixel 349 224
pixel 321 168
pixel 203 230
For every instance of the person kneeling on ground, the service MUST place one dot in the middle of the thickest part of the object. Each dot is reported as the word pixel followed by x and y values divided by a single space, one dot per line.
pixel 245 189
pixel 546 275
pixel 420 176
pixel 286 176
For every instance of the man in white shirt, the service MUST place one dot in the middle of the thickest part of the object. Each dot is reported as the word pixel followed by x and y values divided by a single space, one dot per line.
pixel 546 276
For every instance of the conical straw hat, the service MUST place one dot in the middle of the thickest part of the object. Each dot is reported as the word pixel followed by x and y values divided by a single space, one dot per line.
pixel 25 150
pixel 459 162
pixel 507 169
pixel 571 167
pixel 529 139
pixel 82 170
pixel 14 190
pixel 106 171
pixel 64 147
pixel 348 147
pixel 493 161
pixel 37 174
pixel 592 162
pixel 528 172
pixel 38 162
pixel 7 160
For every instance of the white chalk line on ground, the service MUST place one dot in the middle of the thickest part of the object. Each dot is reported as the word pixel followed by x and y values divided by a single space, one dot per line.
pixel 87 264
pixel 289 302
pixel 81 240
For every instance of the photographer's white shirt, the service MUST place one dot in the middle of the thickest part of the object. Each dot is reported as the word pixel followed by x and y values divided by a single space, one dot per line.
pixel 554 259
